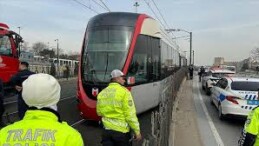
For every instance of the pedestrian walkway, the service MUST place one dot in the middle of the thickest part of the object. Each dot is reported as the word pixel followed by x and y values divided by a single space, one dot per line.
pixel 184 127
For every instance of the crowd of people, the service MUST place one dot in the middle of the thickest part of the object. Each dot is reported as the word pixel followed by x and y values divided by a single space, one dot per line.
pixel 40 122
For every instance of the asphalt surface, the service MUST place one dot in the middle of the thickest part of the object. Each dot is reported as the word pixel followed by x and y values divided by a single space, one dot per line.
pixel 90 130
pixel 229 130
pixel 226 132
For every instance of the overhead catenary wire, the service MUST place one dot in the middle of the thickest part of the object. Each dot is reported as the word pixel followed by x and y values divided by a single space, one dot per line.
pixel 185 36
pixel 158 17
pixel 105 5
pixel 162 16
pixel 160 13
pixel 93 10
pixel 154 13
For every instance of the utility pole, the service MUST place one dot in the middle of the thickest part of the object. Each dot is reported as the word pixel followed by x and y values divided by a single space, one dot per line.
pixel 57 57
pixel 136 5
pixel 190 33
pixel 191 48
pixel 20 44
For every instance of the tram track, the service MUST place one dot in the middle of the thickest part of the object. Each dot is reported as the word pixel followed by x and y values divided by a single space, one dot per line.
pixel 8 115
pixel 15 101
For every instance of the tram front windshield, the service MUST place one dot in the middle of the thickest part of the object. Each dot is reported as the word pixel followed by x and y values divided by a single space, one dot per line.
pixel 106 49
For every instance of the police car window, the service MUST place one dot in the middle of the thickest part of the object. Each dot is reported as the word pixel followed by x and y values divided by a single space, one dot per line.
pixel 224 83
pixel 245 85
pixel 218 84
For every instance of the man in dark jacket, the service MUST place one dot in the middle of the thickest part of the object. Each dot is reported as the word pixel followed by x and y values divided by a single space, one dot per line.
pixel 17 81
pixel 201 72
pixel 1 104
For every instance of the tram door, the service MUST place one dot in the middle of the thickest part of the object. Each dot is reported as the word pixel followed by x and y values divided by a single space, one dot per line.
pixel 146 92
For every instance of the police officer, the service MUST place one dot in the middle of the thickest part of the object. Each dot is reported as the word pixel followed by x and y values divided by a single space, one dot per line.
pixel 41 124
pixel 116 107
pixel 1 104
pixel 201 72
pixel 17 80
pixel 250 133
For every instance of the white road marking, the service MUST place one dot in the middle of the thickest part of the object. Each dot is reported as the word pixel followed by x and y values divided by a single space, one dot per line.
pixel 78 122
pixel 212 126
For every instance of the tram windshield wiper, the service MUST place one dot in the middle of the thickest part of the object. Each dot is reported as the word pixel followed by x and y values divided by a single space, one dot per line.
pixel 107 63
pixel 89 66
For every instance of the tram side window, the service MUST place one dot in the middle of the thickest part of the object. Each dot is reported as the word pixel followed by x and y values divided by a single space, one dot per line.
pixel 138 66
pixel 155 56
pixel 169 60
pixel 5 46
pixel 163 59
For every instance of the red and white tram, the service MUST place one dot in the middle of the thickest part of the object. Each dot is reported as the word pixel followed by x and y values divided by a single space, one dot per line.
pixel 133 43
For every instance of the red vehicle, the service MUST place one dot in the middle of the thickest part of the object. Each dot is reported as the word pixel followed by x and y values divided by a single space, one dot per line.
pixel 9 54
pixel 135 44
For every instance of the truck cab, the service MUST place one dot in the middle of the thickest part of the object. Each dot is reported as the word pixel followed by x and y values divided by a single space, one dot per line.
pixel 9 54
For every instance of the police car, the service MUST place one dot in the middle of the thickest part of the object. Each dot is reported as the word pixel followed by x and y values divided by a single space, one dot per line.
pixel 235 96
pixel 212 76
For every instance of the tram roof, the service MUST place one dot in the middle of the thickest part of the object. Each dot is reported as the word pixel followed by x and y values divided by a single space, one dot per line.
pixel 114 18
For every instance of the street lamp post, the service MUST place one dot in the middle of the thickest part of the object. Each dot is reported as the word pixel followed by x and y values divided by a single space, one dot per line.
pixel 190 33
pixel 136 5
pixel 57 56
pixel 19 29
pixel 20 44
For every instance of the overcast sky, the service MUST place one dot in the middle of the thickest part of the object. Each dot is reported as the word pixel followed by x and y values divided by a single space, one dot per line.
pixel 222 28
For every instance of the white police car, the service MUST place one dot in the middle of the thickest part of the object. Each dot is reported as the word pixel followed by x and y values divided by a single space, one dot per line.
pixel 212 76
pixel 235 96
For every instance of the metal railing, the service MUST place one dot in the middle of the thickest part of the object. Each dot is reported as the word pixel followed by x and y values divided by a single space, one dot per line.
pixel 162 117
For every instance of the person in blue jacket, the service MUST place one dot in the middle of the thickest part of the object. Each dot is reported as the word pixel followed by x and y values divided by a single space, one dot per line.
pixel 17 81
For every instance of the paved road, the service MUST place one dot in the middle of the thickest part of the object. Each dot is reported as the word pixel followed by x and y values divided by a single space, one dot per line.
pixel 68 91
pixel 228 130
pixel 90 131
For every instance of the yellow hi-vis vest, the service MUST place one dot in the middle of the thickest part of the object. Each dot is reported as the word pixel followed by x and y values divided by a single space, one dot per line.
pixel 116 107
pixel 252 124
pixel 40 128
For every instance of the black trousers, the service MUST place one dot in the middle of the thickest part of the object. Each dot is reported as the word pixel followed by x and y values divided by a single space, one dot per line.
pixel 115 138
pixel 22 106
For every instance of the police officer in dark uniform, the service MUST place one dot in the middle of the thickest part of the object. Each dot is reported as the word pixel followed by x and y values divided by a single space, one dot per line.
pixel 17 81
pixel 1 104
pixel 201 72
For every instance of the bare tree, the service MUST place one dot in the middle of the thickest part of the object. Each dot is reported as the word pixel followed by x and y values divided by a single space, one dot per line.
pixel 38 47
pixel 73 55
pixel 47 53
pixel 25 46
pixel 255 54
